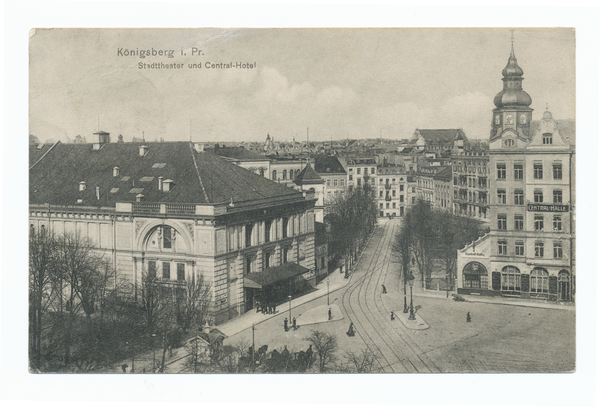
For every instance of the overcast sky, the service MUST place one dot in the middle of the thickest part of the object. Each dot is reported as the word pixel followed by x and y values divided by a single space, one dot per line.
pixel 339 83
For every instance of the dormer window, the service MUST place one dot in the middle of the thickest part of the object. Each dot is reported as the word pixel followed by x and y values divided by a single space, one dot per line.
pixel 547 138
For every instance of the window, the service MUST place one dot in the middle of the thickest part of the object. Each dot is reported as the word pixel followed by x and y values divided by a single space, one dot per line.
pixel 401 188
pixel 358 182
pixel 358 170
pixel 558 253
pixel 557 171
pixel 501 171
pixel 328 183
pixel 539 280
pixel 501 222
pixel 519 249
pixel 511 279
pixel 284 176
pixel 538 171
pixel 372 170
pixel 518 171
pixel 285 227
pixel 557 195
pixel 539 249
pixel 518 197
pixel 167 237
pixel 350 177
pixel 180 272
pixel 501 196
pixel 538 222
pixel 518 222
pixel 268 225
pixel 394 205
pixel 335 182
pixel 342 183
pixel 557 222
pixel 152 269
pixel 381 206
pixel 381 194
pixel 166 269
pixel 249 264
pixel 501 247
pixel 401 198
pixel 268 256
pixel 322 262
pixel 475 276
pixel 547 138
pixel 249 228
pixel 274 175
pixel 387 205
pixel 393 192
pixel 538 196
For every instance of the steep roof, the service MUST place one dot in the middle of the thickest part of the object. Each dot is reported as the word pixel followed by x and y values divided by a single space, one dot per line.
pixel 308 176
pixel 238 153
pixel 444 174
pixel 440 136
pixel 199 177
pixel 328 164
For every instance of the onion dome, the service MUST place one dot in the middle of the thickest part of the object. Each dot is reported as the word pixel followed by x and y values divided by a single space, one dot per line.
pixel 513 94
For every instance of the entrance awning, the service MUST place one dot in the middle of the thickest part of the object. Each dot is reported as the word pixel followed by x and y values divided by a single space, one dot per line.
pixel 273 275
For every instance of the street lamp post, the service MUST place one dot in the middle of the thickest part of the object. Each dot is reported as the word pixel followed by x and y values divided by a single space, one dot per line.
pixel 290 307
pixel 153 353
pixel 327 291
pixel 405 310
pixel 411 279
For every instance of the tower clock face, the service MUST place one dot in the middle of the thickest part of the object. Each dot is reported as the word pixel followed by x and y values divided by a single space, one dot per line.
pixel 509 119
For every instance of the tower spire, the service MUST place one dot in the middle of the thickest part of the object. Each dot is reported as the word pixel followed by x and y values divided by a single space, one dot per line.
pixel 512 42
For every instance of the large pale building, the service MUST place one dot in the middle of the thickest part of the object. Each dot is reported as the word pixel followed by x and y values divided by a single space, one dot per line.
pixel 177 212
pixel 530 250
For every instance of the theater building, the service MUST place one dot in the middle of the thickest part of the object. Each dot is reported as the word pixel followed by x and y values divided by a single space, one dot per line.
pixel 530 250
pixel 178 212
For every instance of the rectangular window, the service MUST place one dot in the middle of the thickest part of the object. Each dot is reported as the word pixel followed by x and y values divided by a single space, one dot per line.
pixel 558 253
pixel 335 182
pixel 538 222
pixel 394 205
pixel 285 222
pixel 538 171
pixel 393 192
pixel 249 265
pixel 152 269
pixel 350 177
pixel 387 205
pixel 557 195
pixel 501 196
pixel 381 194
pixel 518 222
pixel 267 260
pixel 538 196
pixel 268 225
pixel 557 222
pixel 519 249
pixel 358 182
pixel 501 222
pixel 519 197
pixel 249 228
pixel 539 249
pixel 329 183
pixel 502 247
pixel 358 170
pixel 401 188
pixel 342 183
pixel 372 170
pixel 501 171
pixel 401 198
pixel 557 171
pixel 381 206
pixel 166 270
pixel 547 138
pixel 180 272
pixel 518 171
pixel 166 237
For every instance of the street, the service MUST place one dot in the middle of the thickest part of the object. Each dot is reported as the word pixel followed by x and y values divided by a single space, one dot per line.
pixel 500 338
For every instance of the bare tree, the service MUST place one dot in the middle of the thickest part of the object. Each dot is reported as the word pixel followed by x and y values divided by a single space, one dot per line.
pixel 361 362
pixel 193 306
pixel 325 347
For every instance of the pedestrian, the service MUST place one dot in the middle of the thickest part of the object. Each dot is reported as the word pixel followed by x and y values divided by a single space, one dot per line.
pixel 468 317
pixel 124 367
pixel 393 316
pixel 294 323
pixel 383 290
pixel 329 314
pixel 274 308
pixel 350 330
pixel 285 324
pixel 170 351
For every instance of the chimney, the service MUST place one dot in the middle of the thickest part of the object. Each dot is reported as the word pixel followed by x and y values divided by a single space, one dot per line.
pixel 82 186
pixel 139 198
pixel 115 171
pixel 160 183
pixel 199 147
pixel 97 193
pixel 143 150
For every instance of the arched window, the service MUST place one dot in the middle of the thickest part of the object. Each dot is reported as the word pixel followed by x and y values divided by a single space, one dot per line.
pixel 274 175
pixel 262 172
pixel 539 280
pixel 284 174
pixel 564 286
pixel 43 230
pixel 511 279
pixel 292 175
pixel 475 275
pixel 31 229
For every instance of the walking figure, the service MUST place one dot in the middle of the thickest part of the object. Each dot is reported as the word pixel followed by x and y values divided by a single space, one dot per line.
pixel 383 290
pixel 294 323
pixel 124 367
pixel 350 330
pixel 285 324
pixel 468 317
pixel 393 316
pixel 329 314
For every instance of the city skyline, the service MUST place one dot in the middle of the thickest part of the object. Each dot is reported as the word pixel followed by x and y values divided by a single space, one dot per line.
pixel 358 83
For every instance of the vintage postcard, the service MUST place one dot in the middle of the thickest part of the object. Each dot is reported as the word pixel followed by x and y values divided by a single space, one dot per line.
pixel 369 200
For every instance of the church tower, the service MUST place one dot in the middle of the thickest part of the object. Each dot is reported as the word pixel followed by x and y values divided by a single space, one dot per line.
pixel 512 116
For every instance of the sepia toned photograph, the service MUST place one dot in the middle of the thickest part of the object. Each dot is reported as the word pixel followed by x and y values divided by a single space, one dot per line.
pixel 302 200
